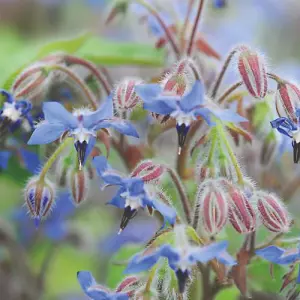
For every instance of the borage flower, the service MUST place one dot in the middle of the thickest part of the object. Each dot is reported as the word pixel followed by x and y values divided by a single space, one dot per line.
pixel 132 194
pixel 82 125
pixel 182 257
pixel 288 128
pixel 185 109
pixel 14 112
pixel 280 256
pixel 95 291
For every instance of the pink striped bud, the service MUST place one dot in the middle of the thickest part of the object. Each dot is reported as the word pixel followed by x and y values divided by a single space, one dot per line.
pixel 79 184
pixel 241 213
pixel 128 285
pixel 253 72
pixel 213 207
pixel 39 197
pixel 148 171
pixel 287 100
pixel 125 97
pixel 272 212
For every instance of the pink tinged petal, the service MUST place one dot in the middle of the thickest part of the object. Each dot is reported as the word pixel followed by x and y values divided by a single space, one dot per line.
pixel 241 213
pixel 148 171
pixel 79 185
pixel 253 72
pixel 272 213
pixel 128 285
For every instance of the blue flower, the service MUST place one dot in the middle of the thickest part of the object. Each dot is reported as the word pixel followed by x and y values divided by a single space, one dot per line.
pixel 185 109
pixel 14 112
pixel 182 257
pixel 82 125
pixel 4 158
pixel 288 128
pixel 132 194
pixel 281 256
pixel 95 291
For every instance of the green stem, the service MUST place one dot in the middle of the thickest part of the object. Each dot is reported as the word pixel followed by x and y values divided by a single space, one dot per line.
pixel 212 148
pixel 54 156
pixel 225 140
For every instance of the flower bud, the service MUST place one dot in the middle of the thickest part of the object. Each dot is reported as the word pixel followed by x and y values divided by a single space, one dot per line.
pixel 128 285
pixel 272 213
pixel 61 172
pixel 213 207
pixel 125 96
pixel 39 197
pixel 287 100
pixel 148 171
pixel 175 84
pixel 241 213
pixel 253 72
pixel 79 184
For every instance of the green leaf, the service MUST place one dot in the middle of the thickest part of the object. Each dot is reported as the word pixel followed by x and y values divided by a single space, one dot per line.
pixel 261 110
pixel 100 51
pixel 230 293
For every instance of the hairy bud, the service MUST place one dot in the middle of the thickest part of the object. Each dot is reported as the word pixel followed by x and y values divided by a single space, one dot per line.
pixel 79 184
pixel 241 213
pixel 213 207
pixel 128 285
pixel 148 171
pixel 272 212
pixel 125 97
pixel 253 72
pixel 287 99
pixel 39 197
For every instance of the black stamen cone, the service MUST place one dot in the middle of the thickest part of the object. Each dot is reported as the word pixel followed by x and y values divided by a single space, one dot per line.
pixel 81 149
pixel 182 131
pixel 296 151
pixel 127 216
pixel 182 279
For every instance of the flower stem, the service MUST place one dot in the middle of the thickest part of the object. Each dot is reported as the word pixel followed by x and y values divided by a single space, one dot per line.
pixel 194 30
pixel 85 89
pixel 182 193
pixel 224 138
pixel 150 280
pixel 222 73
pixel 163 25
pixel 54 156
pixel 229 91
pixel 186 20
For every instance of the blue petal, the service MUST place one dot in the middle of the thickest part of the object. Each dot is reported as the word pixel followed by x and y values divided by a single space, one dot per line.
pixel 90 146
pixel 194 98
pixel 122 126
pixel 87 281
pixel 148 92
pixel 141 263
pixel 55 230
pixel 104 171
pixel 9 96
pixel 117 200
pixel 56 113
pixel 4 158
pixel 105 111
pixel 31 160
pixel 162 107
pixel 205 114
pixel 171 254
pixel 46 133
pixel 276 255
pixel 229 116
pixel 207 253
pixel 168 212
pixel 226 259
pixel 135 186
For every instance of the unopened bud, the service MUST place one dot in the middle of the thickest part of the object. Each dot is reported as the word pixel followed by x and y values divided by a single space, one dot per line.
pixel 287 100
pixel 175 84
pixel 39 197
pixel 125 96
pixel 128 286
pixel 272 212
pixel 148 171
pixel 79 184
pixel 62 171
pixel 253 72
pixel 213 207
pixel 241 213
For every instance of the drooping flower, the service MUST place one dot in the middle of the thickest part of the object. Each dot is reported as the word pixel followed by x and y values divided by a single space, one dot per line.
pixel 82 125
pixel 132 194
pixel 95 291
pixel 185 109
pixel 182 257
pixel 14 112
pixel 288 128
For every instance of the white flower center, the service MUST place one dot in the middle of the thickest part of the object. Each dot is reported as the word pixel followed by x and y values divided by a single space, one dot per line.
pixel 133 201
pixel 82 134
pixel 10 111
pixel 183 118
pixel 183 263
pixel 296 135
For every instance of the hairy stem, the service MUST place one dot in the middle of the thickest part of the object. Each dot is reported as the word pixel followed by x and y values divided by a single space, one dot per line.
pixel 229 91
pixel 186 20
pixel 195 27
pixel 54 156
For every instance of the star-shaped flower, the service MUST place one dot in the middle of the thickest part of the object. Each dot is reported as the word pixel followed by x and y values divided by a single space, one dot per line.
pixel 132 194
pixel 185 109
pixel 182 257
pixel 290 129
pixel 94 290
pixel 82 125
